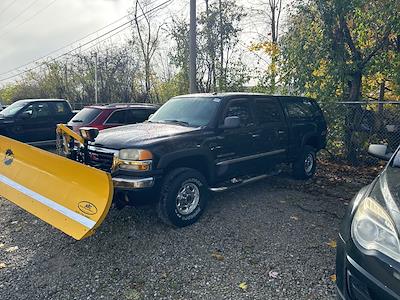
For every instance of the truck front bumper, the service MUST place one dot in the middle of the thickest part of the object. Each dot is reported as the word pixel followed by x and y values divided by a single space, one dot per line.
pixel 129 183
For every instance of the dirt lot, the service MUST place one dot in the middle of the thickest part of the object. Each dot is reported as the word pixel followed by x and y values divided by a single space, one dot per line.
pixel 268 240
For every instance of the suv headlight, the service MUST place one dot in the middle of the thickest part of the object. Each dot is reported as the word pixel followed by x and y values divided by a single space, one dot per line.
pixel 373 229
pixel 133 159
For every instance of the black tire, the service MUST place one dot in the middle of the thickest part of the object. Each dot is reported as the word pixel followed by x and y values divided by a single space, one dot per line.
pixel 174 182
pixel 301 167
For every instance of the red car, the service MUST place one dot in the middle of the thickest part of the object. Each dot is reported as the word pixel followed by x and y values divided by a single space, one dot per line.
pixel 112 115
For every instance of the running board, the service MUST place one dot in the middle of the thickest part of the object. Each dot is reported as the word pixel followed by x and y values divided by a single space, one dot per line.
pixel 241 183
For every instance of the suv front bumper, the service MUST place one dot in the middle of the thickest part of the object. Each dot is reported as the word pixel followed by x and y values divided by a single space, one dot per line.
pixel 129 183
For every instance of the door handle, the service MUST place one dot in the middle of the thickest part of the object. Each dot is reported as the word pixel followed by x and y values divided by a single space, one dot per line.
pixel 255 135
pixel 281 131
pixel 215 147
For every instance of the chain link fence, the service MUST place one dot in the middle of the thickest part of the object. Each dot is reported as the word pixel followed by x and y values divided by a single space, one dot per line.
pixel 353 126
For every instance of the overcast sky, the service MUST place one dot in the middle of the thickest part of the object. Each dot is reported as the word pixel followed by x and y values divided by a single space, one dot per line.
pixel 30 29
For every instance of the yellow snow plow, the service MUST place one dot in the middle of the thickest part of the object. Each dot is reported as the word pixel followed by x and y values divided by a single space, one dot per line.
pixel 66 194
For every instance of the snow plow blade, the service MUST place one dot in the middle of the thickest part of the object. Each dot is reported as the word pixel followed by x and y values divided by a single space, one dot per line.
pixel 68 195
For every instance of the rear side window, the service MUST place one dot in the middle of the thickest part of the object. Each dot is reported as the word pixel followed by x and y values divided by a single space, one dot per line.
pixel 86 115
pixel 137 115
pixel 60 108
pixel 300 109
pixel 268 111
pixel 117 117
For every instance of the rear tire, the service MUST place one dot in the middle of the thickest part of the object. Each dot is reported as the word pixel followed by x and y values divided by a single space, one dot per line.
pixel 184 196
pixel 305 166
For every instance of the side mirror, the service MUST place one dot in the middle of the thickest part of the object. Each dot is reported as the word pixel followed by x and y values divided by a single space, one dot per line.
pixel 89 133
pixel 150 116
pixel 231 122
pixel 379 151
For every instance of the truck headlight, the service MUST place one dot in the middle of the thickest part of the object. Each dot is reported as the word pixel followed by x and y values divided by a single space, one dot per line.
pixel 373 229
pixel 133 159
pixel 135 154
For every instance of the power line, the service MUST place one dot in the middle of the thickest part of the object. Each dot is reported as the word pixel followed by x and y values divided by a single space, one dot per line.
pixel 86 43
pixel 65 46
pixel 31 17
pixel 7 7
pixel 21 13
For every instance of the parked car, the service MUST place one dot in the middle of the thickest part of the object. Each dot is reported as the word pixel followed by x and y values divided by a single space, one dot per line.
pixel 368 247
pixel 34 120
pixel 199 143
pixel 112 115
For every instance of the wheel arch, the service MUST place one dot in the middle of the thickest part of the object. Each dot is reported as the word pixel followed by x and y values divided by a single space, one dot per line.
pixel 194 159
pixel 312 140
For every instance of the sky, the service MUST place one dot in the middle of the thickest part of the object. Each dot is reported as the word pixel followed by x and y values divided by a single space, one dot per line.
pixel 30 29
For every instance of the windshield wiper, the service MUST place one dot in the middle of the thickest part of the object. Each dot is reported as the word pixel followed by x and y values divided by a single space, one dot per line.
pixel 177 122
pixel 77 121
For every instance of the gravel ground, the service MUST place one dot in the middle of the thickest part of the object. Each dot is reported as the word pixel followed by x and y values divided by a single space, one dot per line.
pixel 271 238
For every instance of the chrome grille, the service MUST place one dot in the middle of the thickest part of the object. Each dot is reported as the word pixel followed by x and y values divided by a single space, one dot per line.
pixel 101 160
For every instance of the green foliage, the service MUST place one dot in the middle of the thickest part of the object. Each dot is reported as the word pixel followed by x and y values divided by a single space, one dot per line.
pixel 218 69
pixel 341 50
pixel 175 86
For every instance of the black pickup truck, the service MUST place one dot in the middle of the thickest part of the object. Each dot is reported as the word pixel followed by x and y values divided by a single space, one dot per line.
pixel 34 120
pixel 199 143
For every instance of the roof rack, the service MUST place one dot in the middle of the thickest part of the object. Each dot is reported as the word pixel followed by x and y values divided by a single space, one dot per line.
pixel 130 104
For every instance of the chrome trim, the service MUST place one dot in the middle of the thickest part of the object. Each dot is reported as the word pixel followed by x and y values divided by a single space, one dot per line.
pixel 250 180
pixel 103 150
pixel 254 156
pixel 129 183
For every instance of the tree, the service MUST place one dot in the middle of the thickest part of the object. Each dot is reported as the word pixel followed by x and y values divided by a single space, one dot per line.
pixel 147 32
pixel 357 32
pixel 333 49
pixel 217 40
pixel 273 11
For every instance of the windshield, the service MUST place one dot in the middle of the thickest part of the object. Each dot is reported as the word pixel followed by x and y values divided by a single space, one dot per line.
pixel 85 116
pixel 193 112
pixel 13 108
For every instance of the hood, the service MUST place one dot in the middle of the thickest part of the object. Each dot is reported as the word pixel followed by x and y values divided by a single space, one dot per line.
pixel 131 136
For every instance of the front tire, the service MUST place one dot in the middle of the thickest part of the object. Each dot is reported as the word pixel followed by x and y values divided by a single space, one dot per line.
pixel 184 197
pixel 305 166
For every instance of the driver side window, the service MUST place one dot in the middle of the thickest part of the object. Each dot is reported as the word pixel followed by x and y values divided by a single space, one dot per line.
pixel 28 111
pixel 240 109
pixel 36 110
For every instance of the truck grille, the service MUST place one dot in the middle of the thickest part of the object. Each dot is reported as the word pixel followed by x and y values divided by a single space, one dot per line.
pixel 101 160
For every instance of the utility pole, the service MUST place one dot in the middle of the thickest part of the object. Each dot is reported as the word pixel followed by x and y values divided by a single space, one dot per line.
pixel 192 48
pixel 65 80
pixel 95 78
pixel 222 78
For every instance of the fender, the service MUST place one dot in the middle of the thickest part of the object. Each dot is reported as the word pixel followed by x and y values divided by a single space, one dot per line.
pixel 169 158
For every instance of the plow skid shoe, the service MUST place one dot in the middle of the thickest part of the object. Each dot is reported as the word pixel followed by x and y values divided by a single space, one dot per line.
pixel 68 195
